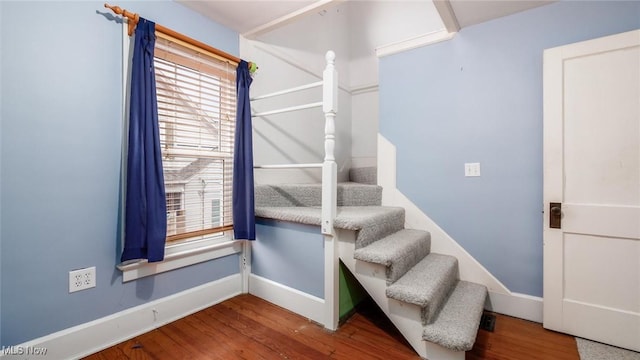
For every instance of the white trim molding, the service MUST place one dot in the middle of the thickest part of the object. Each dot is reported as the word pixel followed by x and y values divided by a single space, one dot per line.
pixel 414 42
pixel 501 299
pixel 88 338
pixel 245 265
pixel 447 15
pixel 522 306
pixel 182 255
pixel 294 300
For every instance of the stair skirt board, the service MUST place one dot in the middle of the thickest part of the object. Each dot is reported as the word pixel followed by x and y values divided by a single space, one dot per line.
pixel 470 269
pixel 406 317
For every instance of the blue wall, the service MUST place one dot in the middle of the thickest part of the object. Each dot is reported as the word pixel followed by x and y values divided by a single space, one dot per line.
pixel 290 254
pixel 478 98
pixel 61 139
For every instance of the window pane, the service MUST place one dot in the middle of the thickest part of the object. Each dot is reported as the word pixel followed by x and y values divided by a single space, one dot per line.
pixel 196 108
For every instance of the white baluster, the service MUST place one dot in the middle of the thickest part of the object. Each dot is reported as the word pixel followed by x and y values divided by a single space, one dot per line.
pixel 330 105
pixel 329 192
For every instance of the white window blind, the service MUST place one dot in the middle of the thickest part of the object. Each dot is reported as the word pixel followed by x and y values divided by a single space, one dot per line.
pixel 196 95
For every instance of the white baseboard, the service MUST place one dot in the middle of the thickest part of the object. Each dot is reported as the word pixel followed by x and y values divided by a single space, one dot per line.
pixel 88 338
pixel 517 305
pixel 299 302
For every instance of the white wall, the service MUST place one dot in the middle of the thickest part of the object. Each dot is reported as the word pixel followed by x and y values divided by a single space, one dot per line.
pixel 378 23
pixel 290 56
pixel 364 128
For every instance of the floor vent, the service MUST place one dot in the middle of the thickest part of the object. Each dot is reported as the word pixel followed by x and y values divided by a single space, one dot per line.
pixel 488 322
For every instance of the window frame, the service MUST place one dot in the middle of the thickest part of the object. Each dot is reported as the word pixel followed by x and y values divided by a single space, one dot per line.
pixel 180 253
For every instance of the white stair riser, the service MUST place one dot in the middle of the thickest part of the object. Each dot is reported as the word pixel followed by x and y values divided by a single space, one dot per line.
pixel 437 352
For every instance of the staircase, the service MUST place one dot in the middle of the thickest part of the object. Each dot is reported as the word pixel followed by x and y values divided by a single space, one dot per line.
pixel 419 291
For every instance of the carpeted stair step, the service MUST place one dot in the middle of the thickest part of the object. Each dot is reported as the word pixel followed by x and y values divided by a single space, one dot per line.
pixel 456 326
pixel 371 222
pixel 427 284
pixel 356 194
pixel 399 252
pixel 288 195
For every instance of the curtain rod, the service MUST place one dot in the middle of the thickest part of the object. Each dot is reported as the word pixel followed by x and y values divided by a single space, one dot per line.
pixel 133 21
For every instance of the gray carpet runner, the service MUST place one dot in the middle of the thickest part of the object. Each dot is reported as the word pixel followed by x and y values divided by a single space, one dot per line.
pixel 450 309
pixel 349 194
pixel 371 222
pixel 456 326
pixel 428 292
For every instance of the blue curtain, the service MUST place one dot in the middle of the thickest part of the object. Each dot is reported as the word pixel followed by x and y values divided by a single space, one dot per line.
pixel 244 222
pixel 145 206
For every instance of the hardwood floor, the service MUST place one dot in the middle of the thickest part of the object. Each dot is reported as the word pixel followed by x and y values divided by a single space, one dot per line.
pixel 515 338
pixel 247 327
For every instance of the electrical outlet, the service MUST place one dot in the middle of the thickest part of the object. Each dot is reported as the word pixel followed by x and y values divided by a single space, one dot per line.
pixel 82 279
pixel 472 169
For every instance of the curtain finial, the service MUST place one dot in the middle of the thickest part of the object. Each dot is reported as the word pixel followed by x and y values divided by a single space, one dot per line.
pixel 253 67
pixel 133 18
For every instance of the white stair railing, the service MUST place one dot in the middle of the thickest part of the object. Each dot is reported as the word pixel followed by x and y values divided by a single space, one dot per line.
pixel 329 167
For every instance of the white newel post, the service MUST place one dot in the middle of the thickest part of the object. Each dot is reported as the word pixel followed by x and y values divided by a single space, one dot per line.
pixel 329 193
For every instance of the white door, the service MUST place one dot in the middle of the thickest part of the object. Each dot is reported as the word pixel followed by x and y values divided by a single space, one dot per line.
pixel 592 169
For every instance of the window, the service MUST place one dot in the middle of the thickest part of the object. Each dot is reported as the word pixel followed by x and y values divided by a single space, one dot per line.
pixel 175 213
pixel 196 93
pixel 196 107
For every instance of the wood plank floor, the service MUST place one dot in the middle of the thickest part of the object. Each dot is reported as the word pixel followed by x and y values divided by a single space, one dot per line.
pixel 247 327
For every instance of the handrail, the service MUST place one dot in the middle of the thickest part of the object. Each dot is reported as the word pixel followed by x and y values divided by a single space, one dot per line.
pixel 287 91
pixel 288 166
pixel 288 109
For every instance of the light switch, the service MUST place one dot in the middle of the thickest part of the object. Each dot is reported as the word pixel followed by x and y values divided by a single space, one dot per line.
pixel 472 169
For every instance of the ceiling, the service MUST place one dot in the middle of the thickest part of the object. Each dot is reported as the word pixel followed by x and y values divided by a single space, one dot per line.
pixel 356 29
pixel 244 16
pixel 248 15
pixel 471 12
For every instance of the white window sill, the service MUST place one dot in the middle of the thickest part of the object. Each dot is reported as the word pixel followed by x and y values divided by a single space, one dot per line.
pixel 181 255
